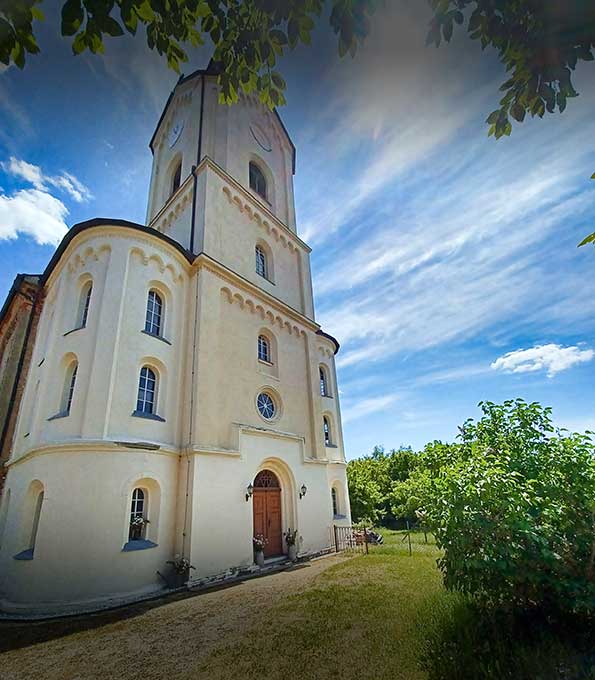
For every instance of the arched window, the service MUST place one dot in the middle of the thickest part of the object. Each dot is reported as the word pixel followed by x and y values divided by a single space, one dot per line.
pixel 176 178
pixel 154 315
pixel 335 498
pixel 69 384
pixel 147 391
pixel 257 181
pixel 84 302
pixel 264 349
pixel 324 391
pixel 36 517
pixel 261 262
pixel 138 518
pixel 327 431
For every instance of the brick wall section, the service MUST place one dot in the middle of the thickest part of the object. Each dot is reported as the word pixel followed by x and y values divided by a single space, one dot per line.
pixel 16 328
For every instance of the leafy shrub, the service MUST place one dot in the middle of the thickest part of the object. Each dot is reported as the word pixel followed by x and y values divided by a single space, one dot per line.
pixel 513 508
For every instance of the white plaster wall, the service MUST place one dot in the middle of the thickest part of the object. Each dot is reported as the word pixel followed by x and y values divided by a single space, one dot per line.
pixel 184 106
pixel 111 349
pixel 233 226
pixel 230 375
pixel 228 140
pixel 83 526
pixel 225 478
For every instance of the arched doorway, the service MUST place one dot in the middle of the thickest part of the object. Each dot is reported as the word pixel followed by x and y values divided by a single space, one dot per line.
pixel 266 507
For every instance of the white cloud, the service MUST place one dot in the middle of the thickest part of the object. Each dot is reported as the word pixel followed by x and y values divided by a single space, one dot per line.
pixel 34 175
pixel 35 213
pixel 551 358
pixel 366 407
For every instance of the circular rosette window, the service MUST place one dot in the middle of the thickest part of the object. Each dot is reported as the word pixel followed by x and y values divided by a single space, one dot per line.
pixel 268 405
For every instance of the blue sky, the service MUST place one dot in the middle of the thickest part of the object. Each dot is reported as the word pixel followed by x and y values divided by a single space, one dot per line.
pixel 444 262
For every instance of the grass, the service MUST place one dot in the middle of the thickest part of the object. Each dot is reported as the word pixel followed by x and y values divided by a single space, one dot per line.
pixel 378 617
pixel 387 616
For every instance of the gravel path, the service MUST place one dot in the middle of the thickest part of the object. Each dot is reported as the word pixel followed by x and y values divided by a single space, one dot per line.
pixel 167 639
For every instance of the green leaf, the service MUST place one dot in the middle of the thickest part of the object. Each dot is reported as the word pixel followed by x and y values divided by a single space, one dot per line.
pixel 518 112
pixel 112 27
pixel 590 238
pixel 278 80
pixel 18 55
pixel 72 17
pixel 144 11
pixel 79 43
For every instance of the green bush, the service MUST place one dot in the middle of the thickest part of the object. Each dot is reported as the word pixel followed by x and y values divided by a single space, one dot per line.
pixel 513 508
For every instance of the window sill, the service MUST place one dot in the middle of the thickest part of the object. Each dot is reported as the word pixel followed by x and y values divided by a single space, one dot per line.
pixel 330 446
pixel 147 416
pixel 327 396
pixel 157 337
pixel 62 414
pixel 24 555
pixel 339 516
pixel 74 330
pixel 266 278
pixel 132 546
pixel 266 363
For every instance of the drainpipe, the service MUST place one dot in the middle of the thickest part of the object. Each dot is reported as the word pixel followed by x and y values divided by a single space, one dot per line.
pixel 198 157
pixel 195 330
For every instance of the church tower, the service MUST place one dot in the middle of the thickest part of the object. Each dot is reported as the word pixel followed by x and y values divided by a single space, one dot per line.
pixel 181 398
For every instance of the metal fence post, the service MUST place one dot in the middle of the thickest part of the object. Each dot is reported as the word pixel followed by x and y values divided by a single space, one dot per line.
pixel 366 539
pixel 336 539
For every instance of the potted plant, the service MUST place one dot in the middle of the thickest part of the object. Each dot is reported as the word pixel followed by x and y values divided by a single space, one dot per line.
pixel 137 528
pixel 259 542
pixel 181 567
pixel 291 540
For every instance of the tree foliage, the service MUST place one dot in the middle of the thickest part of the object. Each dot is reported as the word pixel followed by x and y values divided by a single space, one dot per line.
pixel 248 36
pixel 513 508
pixel 372 482
pixel 539 42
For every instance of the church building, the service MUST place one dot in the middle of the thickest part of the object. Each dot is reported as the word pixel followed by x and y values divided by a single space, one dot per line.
pixel 174 396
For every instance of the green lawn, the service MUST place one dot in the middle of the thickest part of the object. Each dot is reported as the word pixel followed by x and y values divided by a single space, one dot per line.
pixel 382 616
pixel 387 616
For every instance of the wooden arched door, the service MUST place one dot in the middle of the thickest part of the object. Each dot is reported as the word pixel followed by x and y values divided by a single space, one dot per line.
pixel 266 505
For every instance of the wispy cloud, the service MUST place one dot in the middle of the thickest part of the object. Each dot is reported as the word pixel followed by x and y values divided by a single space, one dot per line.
pixel 366 407
pixel 34 175
pixel 551 358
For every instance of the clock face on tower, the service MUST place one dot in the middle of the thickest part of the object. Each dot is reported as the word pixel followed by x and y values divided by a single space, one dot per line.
pixel 175 132
pixel 260 138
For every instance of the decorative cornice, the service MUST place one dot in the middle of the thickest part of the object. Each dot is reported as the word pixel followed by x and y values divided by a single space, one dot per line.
pixel 247 200
pixel 154 257
pixel 230 277
pixel 174 206
pixel 94 446
pixel 90 253
pixel 255 307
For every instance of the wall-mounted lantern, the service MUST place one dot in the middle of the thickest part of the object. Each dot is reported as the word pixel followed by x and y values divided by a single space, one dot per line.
pixel 303 491
pixel 249 491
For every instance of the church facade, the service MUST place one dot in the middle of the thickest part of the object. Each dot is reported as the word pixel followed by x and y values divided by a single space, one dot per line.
pixel 180 397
